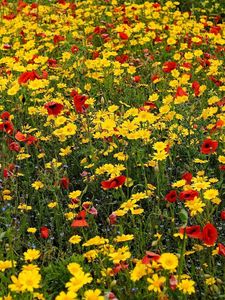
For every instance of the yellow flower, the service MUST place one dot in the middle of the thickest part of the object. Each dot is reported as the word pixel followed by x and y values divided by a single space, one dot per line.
pixel 179 183
pixel 211 194
pixel 74 268
pixel 210 281
pixel 195 206
pixel 23 206
pixel 120 254
pixel 171 41
pixel 186 286
pixel 78 281
pixel 108 124
pixel 16 285
pixel 169 261
pixel 6 264
pixel 52 204
pixel 90 255
pixel 124 238
pixel 8 297
pixel 31 229
pixel 96 241
pixel 93 295
pixel 31 254
pixel 66 296
pixel 74 194
pixel 75 239
pixel 66 151
pixel 26 281
pixel 37 185
pixel 221 159
pixel 70 215
pixel 30 280
pixel 156 283
pixel 138 272
pixel 158 156
pixel 30 267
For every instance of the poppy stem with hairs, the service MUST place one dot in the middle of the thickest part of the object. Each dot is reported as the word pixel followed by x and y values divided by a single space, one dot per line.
pixel 182 253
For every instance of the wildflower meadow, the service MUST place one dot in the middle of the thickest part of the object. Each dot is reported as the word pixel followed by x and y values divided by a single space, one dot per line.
pixel 112 150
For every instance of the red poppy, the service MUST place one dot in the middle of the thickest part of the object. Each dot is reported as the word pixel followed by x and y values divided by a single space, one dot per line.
pixel 64 183
pixel 44 232
pixel 168 66
pixel 187 65
pixel 8 172
pixel 221 249
pixel 221 102
pixel 44 74
pixel 157 6
pixel 95 54
pixel 5 116
pixel 80 220
pixel 28 139
pixel 188 195
pixel 119 267
pixel 171 196
pixel 150 104
pixel 74 49
pixel 34 5
pixel 181 92
pixel 209 234
pixel 219 124
pixel 222 167
pixel 154 78
pixel 150 256
pixel 52 63
pixel 58 38
pixel 9 17
pixel 216 81
pixel 187 176
pixel 158 39
pixel 4 3
pixel 196 88
pixel 14 146
pixel 122 58
pixel 54 108
pixel 63 2
pixel 192 231
pixel 123 36
pixel 79 102
pixel 7 127
pixel 136 78
pixel 215 29
pixel 113 183
pixel 26 76
pixel 222 215
pixel 209 146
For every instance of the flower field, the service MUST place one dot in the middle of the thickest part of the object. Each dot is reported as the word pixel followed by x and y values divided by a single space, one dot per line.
pixel 112 150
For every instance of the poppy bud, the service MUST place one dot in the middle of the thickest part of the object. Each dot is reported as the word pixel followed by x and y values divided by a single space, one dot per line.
pixel 222 215
pixel 44 232
pixel 112 219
